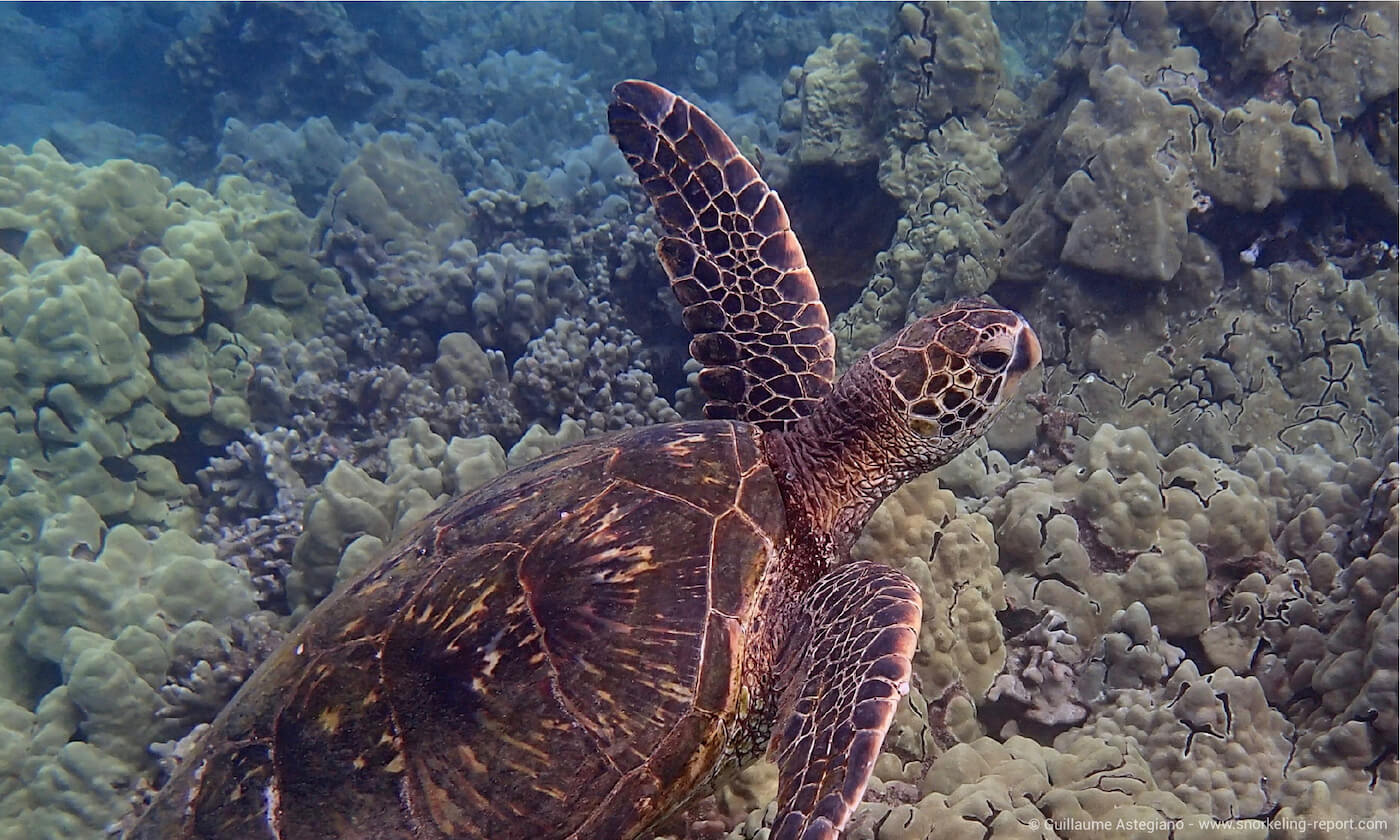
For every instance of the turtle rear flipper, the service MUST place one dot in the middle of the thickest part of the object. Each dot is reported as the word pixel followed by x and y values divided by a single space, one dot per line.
pixel 848 664
pixel 749 299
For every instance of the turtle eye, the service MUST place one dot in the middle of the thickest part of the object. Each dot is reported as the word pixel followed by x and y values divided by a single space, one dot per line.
pixel 992 361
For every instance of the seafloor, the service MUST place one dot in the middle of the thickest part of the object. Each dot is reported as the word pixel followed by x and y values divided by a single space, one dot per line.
pixel 275 280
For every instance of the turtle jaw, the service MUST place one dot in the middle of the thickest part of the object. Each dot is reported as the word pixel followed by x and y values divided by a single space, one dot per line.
pixel 1026 356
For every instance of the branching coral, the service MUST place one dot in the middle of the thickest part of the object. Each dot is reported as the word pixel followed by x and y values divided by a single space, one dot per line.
pixel 593 373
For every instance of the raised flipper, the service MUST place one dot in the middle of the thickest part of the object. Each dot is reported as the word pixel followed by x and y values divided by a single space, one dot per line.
pixel 848 665
pixel 759 326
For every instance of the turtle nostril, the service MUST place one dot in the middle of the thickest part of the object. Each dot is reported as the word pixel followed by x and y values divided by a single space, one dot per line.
pixel 1027 354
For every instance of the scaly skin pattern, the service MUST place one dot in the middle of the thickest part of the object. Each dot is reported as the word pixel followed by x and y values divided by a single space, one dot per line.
pixel 837 449
pixel 909 406
pixel 761 331
pixel 580 647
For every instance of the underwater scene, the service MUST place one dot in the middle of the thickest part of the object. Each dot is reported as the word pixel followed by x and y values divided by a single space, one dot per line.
pixel 280 280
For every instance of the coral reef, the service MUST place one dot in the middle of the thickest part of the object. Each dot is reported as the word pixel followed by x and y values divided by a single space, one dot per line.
pixel 951 555
pixel 397 212
pixel 706 49
pixel 302 161
pixel 1163 218
pixel 1212 740
pixel 1083 786
pixel 84 78
pixel 1172 125
pixel 1032 35
pixel 271 61
pixel 606 366
pixel 133 311
pixel 95 620
pixel 1294 353
pixel 1121 524
pixel 408 69
pixel 352 516
pixel 1165 594
pixel 831 105
pixel 924 116
pixel 1040 679
pixel 1292 728
pixel 140 329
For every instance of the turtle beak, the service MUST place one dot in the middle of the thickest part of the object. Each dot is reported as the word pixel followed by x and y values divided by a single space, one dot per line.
pixel 1027 353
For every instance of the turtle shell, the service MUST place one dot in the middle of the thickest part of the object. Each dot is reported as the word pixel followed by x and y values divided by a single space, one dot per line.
pixel 555 654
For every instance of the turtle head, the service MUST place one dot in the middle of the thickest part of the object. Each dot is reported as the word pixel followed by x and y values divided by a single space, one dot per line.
pixel 948 374
pixel 908 406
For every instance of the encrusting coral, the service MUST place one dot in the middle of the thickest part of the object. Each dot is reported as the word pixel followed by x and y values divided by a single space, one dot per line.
pixel 132 309
pixel 925 121
pixel 1165 222
pixel 1294 730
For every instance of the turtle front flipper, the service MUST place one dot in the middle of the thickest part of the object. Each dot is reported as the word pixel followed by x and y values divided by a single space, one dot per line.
pixel 760 328
pixel 848 664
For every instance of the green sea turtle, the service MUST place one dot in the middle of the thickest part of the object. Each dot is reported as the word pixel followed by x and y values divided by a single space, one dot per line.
pixel 579 647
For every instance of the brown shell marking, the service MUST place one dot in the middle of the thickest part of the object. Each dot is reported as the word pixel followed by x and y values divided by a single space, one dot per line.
pixel 759 325
pixel 519 668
